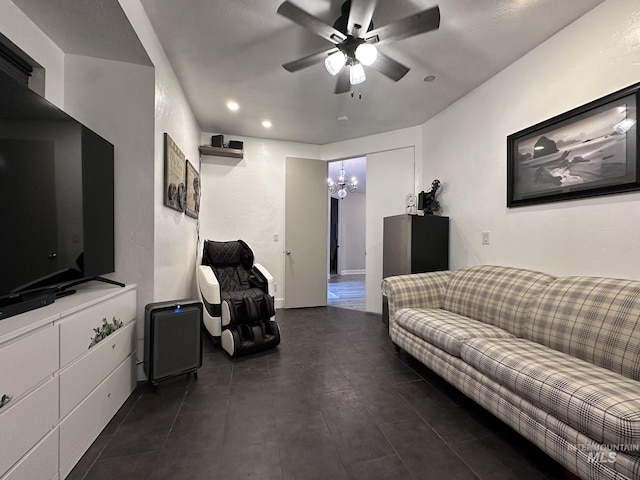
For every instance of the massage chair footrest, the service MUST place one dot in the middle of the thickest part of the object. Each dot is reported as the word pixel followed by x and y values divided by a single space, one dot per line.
pixel 252 337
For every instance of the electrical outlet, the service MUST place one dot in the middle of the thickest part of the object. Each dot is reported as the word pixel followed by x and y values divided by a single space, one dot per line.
pixel 275 237
pixel 275 287
pixel 486 238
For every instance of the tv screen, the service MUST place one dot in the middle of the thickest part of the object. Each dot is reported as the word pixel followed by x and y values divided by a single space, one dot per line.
pixel 56 195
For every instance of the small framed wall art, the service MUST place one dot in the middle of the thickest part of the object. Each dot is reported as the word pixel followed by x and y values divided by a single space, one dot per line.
pixel 590 150
pixel 174 175
pixel 193 191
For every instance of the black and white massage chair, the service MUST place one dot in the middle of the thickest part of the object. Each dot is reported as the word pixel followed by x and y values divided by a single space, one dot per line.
pixel 238 296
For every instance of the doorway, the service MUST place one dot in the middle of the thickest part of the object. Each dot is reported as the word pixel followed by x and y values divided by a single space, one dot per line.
pixel 334 220
pixel 346 240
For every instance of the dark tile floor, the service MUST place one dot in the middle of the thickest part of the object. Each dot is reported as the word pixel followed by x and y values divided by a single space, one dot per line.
pixel 333 401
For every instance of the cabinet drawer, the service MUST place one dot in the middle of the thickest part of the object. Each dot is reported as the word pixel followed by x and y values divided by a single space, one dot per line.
pixel 40 463
pixel 81 377
pixel 28 361
pixel 82 426
pixel 24 423
pixel 76 330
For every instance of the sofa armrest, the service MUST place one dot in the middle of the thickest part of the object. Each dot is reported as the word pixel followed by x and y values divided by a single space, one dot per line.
pixel 418 290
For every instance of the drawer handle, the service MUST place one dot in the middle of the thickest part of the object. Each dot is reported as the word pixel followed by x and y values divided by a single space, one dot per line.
pixel 6 398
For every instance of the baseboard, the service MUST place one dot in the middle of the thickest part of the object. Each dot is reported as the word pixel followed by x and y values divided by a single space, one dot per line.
pixel 353 272
pixel 279 303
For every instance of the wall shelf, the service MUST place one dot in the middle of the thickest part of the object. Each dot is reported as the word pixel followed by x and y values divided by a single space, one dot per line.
pixel 221 152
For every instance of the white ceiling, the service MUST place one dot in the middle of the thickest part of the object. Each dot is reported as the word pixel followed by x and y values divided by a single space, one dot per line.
pixel 96 28
pixel 233 49
pixel 225 50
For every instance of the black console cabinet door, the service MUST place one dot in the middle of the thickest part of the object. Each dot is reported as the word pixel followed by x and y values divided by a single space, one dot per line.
pixel 413 244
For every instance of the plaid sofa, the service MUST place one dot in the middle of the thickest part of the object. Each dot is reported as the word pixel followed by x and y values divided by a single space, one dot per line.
pixel 557 359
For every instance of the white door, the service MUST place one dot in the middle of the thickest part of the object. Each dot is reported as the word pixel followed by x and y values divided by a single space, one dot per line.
pixel 305 253
pixel 390 177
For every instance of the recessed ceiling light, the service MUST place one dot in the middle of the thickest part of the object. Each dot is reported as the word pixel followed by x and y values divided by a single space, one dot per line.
pixel 233 106
pixel 429 78
pixel 266 123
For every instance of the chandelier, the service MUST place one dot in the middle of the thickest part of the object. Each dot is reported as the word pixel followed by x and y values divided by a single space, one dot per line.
pixel 341 187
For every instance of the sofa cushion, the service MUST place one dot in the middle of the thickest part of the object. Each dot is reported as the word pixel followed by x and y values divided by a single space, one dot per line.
pixel 595 401
pixel 595 319
pixel 444 329
pixel 496 295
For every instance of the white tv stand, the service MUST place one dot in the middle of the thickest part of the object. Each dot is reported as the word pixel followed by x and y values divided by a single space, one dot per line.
pixel 63 393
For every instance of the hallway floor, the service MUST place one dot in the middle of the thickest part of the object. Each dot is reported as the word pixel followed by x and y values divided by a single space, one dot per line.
pixel 347 291
pixel 333 401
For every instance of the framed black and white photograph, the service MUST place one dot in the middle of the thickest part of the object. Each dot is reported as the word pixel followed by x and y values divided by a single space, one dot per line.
pixel 585 152
pixel 193 191
pixel 174 172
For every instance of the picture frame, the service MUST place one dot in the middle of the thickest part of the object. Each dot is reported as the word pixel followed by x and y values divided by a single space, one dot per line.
pixel 588 151
pixel 192 207
pixel 175 194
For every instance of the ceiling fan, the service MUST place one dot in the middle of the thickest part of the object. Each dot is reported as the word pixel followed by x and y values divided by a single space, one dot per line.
pixel 355 45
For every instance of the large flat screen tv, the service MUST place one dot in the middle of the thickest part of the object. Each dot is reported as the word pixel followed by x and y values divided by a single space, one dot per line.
pixel 56 200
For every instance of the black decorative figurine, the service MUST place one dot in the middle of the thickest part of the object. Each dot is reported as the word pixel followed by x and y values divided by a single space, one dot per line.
pixel 427 201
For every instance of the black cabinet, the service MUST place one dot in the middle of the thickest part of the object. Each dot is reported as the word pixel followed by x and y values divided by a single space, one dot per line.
pixel 414 244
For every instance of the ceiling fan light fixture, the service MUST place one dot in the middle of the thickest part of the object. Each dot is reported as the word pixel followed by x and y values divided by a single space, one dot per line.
pixel 356 74
pixel 334 62
pixel 366 54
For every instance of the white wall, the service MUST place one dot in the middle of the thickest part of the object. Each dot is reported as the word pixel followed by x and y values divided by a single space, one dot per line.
pixel 352 227
pixel 18 28
pixel 116 100
pixel 244 198
pixel 174 233
pixel 465 147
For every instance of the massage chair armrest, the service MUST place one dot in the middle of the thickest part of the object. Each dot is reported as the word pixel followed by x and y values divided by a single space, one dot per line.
pixel 208 285
pixel 261 272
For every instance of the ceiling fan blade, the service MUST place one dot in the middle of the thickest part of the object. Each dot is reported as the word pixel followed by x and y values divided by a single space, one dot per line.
pixel 360 17
pixel 343 85
pixel 415 24
pixel 389 67
pixel 309 60
pixel 308 21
